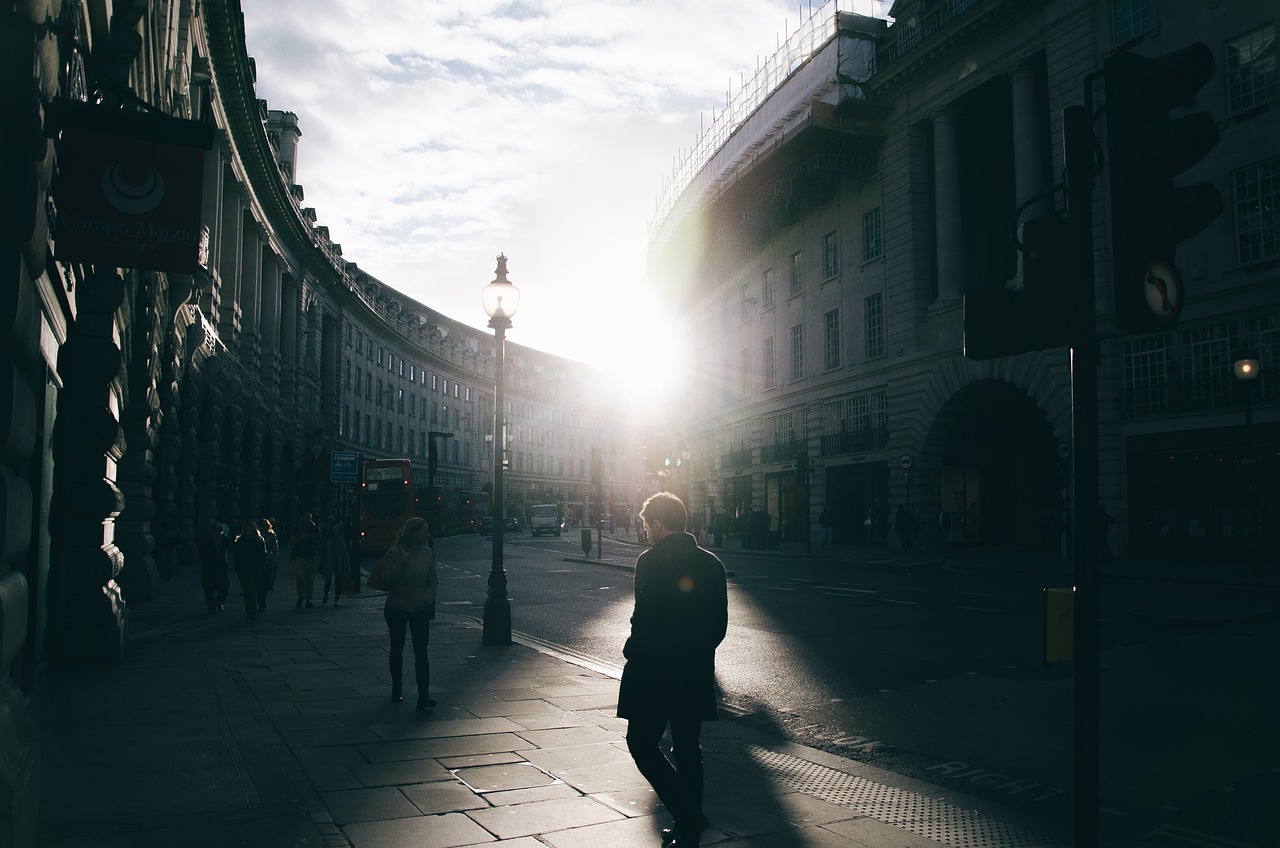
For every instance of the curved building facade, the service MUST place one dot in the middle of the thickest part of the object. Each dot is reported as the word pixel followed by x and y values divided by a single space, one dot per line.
pixel 189 345
pixel 833 220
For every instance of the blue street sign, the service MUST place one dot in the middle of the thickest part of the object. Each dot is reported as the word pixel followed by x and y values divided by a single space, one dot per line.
pixel 344 467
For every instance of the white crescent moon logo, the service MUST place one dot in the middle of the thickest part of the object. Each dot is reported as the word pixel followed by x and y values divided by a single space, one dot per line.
pixel 129 195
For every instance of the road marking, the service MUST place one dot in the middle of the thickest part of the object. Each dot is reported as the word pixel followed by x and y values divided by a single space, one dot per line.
pixel 848 589
pixel 903 603
pixel 980 609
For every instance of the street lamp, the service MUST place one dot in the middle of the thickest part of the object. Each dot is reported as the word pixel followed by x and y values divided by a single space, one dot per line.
pixel 1247 369
pixel 500 299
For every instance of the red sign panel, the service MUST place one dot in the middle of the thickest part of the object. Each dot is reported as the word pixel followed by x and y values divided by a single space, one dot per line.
pixel 129 189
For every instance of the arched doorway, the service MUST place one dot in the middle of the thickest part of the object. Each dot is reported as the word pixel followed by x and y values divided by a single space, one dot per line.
pixel 1000 478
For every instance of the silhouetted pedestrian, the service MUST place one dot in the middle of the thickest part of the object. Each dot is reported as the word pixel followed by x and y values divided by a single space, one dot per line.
pixel 214 579
pixel 251 565
pixel 334 562
pixel 679 619
pixel 410 576
pixel 272 543
pixel 304 552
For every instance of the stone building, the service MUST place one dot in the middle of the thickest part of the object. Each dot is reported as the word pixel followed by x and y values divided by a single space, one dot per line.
pixel 832 220
pixel 180 341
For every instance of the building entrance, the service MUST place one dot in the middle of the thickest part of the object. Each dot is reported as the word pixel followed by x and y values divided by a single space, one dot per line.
pixel 1000 479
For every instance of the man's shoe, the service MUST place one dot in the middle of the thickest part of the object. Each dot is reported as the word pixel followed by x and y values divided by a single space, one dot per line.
pixel 299 603
pixel 426 703
pixel 310 605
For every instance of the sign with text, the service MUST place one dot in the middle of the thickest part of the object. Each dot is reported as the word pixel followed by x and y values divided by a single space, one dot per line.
pixel 344 467
pixel 129 189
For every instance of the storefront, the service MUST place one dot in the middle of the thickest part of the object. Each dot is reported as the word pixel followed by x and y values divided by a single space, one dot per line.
pixel 858 497
pixel 1202 494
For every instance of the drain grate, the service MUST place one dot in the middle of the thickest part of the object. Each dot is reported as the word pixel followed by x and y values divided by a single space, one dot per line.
pixel 928 817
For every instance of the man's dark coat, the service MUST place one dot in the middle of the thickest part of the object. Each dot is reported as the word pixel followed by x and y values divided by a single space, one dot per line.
pixel 681 615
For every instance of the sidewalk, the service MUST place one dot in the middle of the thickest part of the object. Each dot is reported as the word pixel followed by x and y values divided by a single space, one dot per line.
pixel 221 732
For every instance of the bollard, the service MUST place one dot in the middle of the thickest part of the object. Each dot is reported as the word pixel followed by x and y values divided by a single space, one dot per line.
pixel 586 541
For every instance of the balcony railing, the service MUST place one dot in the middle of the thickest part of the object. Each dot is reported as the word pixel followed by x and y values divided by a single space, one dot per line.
pixel 855 441
pixel 904 37
pixel 781 451
pixel 1179 396
pixel 736 459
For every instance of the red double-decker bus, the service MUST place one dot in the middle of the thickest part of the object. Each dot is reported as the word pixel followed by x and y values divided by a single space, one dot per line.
pixel 387 501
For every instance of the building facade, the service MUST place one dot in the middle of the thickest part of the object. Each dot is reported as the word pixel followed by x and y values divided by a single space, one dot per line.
pixel 214 377
pixel 833 219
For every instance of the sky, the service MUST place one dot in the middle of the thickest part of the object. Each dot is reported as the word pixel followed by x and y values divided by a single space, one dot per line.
pixel 436 135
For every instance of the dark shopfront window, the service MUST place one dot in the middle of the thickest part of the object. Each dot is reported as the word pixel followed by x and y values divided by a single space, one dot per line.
pixel 1199 502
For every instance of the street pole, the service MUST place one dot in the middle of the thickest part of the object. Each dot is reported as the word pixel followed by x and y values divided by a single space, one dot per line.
pixel 1078 149
pixel 501 299
pixel 497 607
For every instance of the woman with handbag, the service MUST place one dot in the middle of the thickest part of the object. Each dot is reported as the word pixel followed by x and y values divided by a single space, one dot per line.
pixel 410 577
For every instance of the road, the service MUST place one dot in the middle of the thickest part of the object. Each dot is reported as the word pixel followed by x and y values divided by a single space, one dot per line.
pixel 938 673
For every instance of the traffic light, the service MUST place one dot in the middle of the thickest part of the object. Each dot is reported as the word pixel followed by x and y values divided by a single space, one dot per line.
pixel 1146 149
pixel 1003 321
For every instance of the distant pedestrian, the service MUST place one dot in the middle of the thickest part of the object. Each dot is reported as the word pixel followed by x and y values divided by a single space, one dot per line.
pixel 304 552
pixel 251 565
pixel 944 528
pixel 1104 530
pixel 410 575
pixel 354 556
pixel 272 543
pixel 680 618
pixel 905 524
pixel 334 562
pixel 825 521
pixel 214 579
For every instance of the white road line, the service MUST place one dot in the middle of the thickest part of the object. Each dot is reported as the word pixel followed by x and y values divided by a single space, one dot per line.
pixel 980 609
pixel 903 603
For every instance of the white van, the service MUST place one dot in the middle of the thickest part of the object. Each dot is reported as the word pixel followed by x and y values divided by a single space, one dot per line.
pixel 544 518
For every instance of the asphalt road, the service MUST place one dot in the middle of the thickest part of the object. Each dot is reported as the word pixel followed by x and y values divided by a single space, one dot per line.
pixel 938 673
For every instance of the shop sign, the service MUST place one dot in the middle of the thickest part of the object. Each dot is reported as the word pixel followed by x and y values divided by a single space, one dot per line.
pixel 130 189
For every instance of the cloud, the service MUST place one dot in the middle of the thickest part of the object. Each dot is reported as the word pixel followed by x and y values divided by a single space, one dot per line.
pixel 438 134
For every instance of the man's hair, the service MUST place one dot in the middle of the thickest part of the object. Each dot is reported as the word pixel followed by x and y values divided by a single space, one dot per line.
pixel 667 509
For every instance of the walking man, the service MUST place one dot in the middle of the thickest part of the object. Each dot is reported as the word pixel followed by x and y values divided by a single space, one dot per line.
pixel 680 617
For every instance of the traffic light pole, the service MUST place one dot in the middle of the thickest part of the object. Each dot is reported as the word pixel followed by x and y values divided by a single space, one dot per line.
pixel 1078 149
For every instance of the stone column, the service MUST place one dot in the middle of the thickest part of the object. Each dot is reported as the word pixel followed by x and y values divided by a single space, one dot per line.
pixel 88 614
pixel 270 320
pixel 140 421
pixel 948 215
pixel 228 298
pixel 250 346
pixel 290 306
pixel 1030 172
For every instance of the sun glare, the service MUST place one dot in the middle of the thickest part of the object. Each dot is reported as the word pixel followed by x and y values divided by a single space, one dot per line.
pixel 642 354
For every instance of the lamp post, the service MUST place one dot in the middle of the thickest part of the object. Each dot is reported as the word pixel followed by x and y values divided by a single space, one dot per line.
pixel 500 299
pixel 1246 368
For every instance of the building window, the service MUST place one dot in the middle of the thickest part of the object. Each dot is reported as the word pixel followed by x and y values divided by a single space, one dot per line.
pixel 1262 334
pixel 797 272
pixel 1251 69
pixel 368 429
pixel 1207 352
pixel 830 255
pixel 1255 193
pixel 357 387
pixel 1129 18
pixel 742 303
pixel 368 385
pixel 831 322
pixel 766 289
pixel 875 325
pixel 399 400
pixel 797 351
pixel 744 373
pixel 770 370
pixel 871 246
